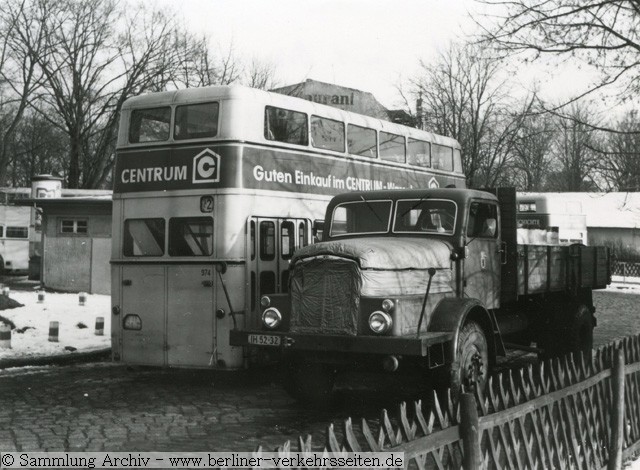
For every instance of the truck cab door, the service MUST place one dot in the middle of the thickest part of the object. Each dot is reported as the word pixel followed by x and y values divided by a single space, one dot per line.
pixel 482 266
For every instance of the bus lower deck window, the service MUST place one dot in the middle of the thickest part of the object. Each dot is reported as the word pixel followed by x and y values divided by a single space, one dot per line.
pixel 143 237
pixel 191 236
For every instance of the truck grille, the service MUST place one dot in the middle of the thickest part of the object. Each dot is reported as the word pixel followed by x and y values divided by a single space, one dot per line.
pixel 325 296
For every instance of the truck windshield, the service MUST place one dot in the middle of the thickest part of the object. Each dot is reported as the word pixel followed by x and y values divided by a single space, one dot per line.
pixel 423 216
pixel 359 217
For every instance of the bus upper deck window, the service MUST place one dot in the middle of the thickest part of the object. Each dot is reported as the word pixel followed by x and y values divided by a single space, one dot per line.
pixel 191 236
pixel 442 157
pixel 362 141
pixel 327 134
pixel 150 125
pixel 419 153
pixel 457 161
pixel 196 121
pixel 392 147
pixel 283 125
pixel 143 237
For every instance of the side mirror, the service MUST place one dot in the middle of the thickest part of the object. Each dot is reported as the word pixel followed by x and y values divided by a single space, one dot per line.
pixel 318 229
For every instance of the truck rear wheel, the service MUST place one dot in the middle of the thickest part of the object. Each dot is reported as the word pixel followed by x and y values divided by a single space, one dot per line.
pixel 309 383
pixel 570 331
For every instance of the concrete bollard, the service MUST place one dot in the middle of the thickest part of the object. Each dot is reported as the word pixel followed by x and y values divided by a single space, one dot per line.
pixel 5 336
pixel 99 326
pixel 53 331
pixel 82 298
pixel 40 296
pixel 6 291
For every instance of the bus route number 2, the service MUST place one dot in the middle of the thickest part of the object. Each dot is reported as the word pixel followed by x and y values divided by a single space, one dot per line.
pixel 206 204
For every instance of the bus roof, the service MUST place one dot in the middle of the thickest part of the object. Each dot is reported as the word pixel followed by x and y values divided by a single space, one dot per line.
pixel 203 94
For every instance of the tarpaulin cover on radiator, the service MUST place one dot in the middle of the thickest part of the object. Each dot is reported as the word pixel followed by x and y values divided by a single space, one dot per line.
pixel 328 278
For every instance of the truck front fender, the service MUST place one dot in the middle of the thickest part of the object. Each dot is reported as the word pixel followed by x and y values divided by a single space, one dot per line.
pixel 451 314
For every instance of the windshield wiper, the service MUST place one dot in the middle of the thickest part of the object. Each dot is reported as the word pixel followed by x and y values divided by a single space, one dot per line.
pixel 422 199
pixel 371 208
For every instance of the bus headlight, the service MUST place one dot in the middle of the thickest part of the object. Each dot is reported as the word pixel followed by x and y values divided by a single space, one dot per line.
pixel 265 302
pixel 271 318
pixel 380 322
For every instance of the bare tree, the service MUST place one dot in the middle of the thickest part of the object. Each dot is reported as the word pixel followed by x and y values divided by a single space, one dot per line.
pixel 574 152
pixel 619 161
pixel 604 34
pixel 39 148
pixel 261 74
pixel 97 56
pixel 463 96
pixel 532 149
pixel 22 35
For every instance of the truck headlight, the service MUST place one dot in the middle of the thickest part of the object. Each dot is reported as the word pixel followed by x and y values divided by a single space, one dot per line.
pixel 387 305
pixel 265 301
pixel 271 318
pixel 380 322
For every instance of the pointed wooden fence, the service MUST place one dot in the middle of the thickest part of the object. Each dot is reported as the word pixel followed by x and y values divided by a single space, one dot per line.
pixel 569 413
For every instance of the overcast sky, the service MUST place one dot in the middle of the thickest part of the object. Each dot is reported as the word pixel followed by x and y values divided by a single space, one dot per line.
pixel 370 45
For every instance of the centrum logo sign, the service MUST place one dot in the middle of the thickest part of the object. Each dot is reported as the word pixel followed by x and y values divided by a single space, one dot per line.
pixel 206 167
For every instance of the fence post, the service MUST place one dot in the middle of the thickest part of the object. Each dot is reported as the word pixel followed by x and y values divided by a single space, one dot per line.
pixel 617 413
pixel 470 433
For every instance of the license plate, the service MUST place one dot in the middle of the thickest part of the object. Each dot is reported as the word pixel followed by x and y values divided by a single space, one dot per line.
pixel 264 340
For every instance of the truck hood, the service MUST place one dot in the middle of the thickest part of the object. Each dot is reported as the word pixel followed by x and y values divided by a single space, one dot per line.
pixel 384 253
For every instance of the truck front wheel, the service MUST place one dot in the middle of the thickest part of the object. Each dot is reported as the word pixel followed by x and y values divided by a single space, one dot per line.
pixel 471 370
pixel 309 383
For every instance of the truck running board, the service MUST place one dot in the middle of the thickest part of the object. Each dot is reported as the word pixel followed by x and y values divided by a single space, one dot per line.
pixel 523 348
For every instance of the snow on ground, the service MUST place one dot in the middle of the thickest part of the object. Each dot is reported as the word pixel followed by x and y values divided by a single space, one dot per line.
pixel 67 311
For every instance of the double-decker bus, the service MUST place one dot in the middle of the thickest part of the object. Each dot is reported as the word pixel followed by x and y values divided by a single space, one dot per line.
pixel 550 218
pixel 214 190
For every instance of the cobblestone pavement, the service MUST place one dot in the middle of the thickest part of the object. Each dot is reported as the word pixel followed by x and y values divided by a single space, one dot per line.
pixel 107 407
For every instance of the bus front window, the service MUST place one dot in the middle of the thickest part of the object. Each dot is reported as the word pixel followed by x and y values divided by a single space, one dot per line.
pixel 191 236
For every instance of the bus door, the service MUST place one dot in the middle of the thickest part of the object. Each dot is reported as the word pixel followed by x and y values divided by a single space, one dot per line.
pixel 190 322
pixel 271 242
pixel 190 293
pixel 143 342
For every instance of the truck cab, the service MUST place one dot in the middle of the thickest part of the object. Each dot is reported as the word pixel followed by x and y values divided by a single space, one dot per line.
pixel 404 278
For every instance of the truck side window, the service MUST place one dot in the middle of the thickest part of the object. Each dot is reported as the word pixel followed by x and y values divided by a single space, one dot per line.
pixel 483 220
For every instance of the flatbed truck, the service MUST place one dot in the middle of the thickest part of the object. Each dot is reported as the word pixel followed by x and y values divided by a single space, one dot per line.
pixel 432 278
